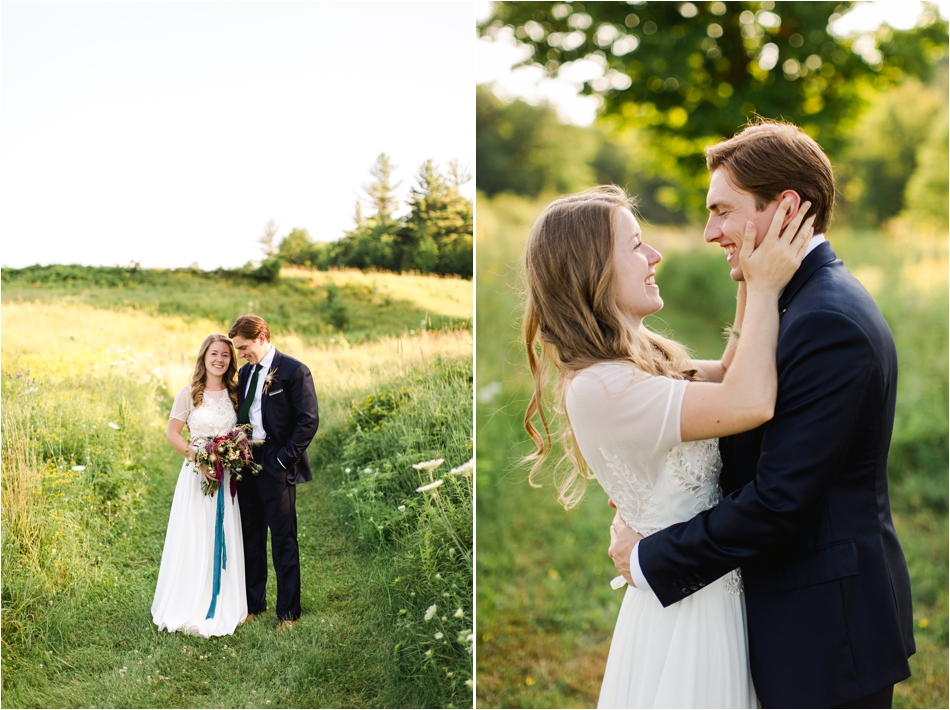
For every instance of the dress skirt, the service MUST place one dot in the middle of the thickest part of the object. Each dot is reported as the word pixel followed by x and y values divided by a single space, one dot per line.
pixel 692 654
pixel 185 580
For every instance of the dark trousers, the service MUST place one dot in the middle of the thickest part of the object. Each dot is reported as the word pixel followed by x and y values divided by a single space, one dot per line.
pixel 268 501
pixel 881 699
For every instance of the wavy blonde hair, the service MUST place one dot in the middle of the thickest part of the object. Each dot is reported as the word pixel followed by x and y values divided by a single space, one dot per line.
pixel 199 375
pixel 572 320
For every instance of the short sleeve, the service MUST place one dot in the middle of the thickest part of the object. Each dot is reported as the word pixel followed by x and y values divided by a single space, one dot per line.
pixel 616 406
pixel 183 405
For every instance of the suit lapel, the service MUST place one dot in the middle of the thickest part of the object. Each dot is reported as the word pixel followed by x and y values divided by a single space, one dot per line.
pixel 242 383
pixel 273 367
pixel 822 254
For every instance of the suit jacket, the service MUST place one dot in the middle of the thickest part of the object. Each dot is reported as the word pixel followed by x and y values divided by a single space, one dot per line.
pixel 806 512
pixel 290 416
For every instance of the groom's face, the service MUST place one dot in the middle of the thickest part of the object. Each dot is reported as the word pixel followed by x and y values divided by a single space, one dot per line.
pixel 729 210
pixel 251 350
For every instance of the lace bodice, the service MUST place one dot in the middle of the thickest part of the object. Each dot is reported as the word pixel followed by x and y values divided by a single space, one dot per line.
pixel 214 417
pixel 627 425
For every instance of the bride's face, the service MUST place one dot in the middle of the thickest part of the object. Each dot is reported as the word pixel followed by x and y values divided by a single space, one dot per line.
pixel 218 358
pixel 635 267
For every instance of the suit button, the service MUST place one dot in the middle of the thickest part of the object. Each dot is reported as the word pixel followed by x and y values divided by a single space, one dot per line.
pixel 693 587
pixel 684 589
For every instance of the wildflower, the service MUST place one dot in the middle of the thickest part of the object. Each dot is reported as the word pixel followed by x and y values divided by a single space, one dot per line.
pixel 429 653
pixel 438 575
pixel 402 509
pixel 428 465
pixel 469 683
pixel 430 612
pixel 114 425
pixel 463 469
pixel 459 613
pixel 438 635
pixel 430 486
pixel 347 470
pixel 367 470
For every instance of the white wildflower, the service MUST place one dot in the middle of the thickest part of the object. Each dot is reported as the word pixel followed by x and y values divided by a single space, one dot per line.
pixel 469 683
pixel 463 469
pixel 79 468
pixel 430 612
pixel 459 613
pixel 428 465
pixel 114 425
pixel 367 470
pixel 430 486
pixel 438 635
pixel 429 653
pixel 402 509
pixel 347 470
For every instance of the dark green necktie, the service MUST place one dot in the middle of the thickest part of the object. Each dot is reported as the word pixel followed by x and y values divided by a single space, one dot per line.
pixel 244 413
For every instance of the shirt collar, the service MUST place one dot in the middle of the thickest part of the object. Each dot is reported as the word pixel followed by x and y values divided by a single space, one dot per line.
pixel 266 361
pixel 814 242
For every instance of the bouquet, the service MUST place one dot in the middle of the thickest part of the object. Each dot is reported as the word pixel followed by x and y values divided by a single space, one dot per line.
pixel 231 450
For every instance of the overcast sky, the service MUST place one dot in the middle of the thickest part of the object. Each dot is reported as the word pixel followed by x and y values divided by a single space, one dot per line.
pixel 494 60
pixel 169 133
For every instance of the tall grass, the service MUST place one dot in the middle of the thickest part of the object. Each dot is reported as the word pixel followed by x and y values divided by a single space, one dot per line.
pixel 544 606
pixel 373 458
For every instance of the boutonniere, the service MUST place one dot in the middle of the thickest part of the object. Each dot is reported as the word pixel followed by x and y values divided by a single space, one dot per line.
pixel 269 380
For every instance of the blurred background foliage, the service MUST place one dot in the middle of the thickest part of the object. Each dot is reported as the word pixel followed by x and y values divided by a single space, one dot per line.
pixel 678 77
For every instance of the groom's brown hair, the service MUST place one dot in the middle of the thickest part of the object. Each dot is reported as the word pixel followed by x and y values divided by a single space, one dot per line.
pixel 768 157
pixel 249 327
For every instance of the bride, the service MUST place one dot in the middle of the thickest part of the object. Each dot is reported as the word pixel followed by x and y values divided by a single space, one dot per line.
pixel 643 417
pixel 184 596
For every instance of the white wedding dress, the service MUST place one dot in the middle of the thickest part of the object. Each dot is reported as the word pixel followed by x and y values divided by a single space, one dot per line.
pixel 185 580
pixel 692 654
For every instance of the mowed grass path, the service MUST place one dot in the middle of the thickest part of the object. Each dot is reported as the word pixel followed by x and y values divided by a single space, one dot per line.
pixel 102 650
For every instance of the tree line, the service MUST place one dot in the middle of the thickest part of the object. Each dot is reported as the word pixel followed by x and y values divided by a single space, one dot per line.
pixel 433 237
pixel 681 76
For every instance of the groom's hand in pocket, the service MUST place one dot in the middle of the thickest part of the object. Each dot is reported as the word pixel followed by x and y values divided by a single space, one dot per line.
pixel 622 540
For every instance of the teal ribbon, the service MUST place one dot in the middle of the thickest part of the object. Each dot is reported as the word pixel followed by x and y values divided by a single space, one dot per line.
pixel 220 554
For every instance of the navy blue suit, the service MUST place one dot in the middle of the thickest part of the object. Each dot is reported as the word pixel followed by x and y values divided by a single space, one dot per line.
pixel 806 512
pixel 269 499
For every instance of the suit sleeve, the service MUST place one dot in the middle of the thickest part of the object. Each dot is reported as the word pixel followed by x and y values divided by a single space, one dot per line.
pixel 303 400
pixel 828 376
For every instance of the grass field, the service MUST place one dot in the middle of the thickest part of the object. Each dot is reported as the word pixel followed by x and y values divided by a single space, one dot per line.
pixel 545 609
pixel 88 480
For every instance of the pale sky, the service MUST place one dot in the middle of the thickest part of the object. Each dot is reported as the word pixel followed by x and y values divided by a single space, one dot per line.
pixel 494 60
pixel 169 133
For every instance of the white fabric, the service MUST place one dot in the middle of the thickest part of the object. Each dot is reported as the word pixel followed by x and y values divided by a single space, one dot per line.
pixel 183 591
pixel 693 653
pixel 254 415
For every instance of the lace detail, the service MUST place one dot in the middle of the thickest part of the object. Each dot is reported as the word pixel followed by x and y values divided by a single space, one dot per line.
pixel 214 417
pixel 733 582
pixel 695 467
pixel 633 496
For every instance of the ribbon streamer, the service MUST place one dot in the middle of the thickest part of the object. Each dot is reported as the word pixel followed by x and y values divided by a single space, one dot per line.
pixel 220 555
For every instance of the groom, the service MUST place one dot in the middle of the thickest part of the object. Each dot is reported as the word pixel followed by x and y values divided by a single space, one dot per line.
pixel 806 513
pixel 275 396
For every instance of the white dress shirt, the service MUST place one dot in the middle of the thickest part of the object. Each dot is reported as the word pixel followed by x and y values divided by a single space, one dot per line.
pixel 255 413
pixel 639 580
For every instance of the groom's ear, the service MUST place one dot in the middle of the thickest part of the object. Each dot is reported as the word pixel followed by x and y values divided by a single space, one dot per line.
pixel 796 203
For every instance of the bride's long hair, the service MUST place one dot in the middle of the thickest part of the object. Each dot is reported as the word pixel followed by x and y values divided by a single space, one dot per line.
pixel 572 321
pixel 200 374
